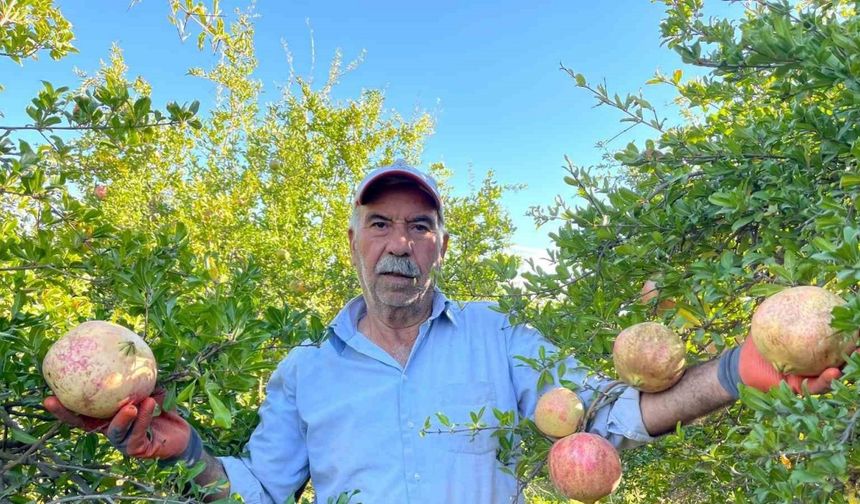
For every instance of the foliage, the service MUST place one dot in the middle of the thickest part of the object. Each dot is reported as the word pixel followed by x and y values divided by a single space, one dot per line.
pixel 757 189
pixel 30 26
pixel 275 184
pixel 218 237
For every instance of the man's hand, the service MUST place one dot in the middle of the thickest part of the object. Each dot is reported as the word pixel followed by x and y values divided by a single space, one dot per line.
pixel 134 430
pixel 758 373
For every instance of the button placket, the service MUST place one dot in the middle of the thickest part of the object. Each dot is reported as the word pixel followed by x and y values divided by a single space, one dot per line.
pixel 407 436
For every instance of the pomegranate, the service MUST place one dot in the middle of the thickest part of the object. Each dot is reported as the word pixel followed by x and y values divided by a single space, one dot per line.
pixel 584 466
pixel 559 412
pixel 98 367
pixel 100 191
pixel 650 292
pixel 649 356
pixel 791 329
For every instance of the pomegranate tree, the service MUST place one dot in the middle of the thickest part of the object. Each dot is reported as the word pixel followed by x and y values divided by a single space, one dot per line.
pixel 98 367
pixel 791 329
pixel 584 466
pixel 649 356
pixel 559 412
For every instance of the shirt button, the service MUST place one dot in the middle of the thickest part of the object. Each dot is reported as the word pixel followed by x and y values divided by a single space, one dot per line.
pixel 417 476
pixel 410 424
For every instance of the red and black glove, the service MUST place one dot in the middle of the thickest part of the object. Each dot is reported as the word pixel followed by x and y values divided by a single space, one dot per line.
pixel 135 432
pixel 744 364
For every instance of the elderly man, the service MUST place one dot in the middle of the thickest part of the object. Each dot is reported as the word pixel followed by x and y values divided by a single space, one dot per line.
pixel 348 414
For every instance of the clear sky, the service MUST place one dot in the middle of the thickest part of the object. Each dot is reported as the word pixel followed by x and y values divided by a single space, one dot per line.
pixel 487 71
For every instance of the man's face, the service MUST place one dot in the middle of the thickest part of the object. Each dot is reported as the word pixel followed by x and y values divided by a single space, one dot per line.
pixel 396 246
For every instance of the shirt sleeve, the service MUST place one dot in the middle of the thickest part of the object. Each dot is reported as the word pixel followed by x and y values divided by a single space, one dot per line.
pixel 274 464
pixel 620 421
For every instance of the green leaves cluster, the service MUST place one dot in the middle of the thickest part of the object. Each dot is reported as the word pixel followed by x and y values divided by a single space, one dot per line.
pixel 754 191
pixel 218 235
pixel 30 26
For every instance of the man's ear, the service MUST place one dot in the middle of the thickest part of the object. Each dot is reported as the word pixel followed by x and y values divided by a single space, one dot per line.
pixel 444 244
pixel 351 236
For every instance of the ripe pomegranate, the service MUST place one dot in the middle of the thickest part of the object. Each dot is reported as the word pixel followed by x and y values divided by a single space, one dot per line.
pixel 584 466
pixel 559 412
pixel 100 191
pixel 649 356
pixel 791 329
pixel 98 367
pixel 650 292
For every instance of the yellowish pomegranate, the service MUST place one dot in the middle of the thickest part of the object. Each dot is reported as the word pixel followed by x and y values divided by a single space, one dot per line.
pixel 98 367
pixel 559 412
pixel 649 356
pixel 791 330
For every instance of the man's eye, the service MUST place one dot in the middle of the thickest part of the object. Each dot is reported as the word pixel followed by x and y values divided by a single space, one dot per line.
pixel 378 225
pixel 421 228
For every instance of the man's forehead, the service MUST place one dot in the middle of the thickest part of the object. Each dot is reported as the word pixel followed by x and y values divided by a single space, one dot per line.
pixel 393 213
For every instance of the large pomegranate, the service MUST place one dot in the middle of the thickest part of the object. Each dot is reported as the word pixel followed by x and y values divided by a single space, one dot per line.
pixel 584 466
pixel 791 329
pixel 649 356
pixel 559 412
pixel 98 367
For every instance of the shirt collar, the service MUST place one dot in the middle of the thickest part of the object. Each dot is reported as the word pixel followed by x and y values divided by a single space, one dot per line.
pixel 345 323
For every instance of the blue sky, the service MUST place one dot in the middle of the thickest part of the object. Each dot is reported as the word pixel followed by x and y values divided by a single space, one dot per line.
pixel 487 71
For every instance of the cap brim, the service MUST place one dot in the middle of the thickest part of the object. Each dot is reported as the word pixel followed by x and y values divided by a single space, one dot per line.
pixel 421 183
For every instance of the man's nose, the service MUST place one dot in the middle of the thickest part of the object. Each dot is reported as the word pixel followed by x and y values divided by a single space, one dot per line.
pixel 399 242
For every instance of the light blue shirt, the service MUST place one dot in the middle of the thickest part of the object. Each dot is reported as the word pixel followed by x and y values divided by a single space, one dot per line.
pixel 349 416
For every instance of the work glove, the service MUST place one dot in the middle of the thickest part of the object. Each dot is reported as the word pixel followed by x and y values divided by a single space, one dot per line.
pixel 135 432
pixel 744 364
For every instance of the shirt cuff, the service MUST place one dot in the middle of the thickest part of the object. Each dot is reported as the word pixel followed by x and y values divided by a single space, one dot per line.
pixel 243 482
pixel 621 423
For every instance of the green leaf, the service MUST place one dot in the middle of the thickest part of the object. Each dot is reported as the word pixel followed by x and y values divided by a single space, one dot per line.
pixel 443 419
pixel 823 244
pixel 802 476
pixel 723 200
pixel 23 437
pixel 850 180
pixel 141 107
pixel 170 397
pixel 742 222
pixel 223 418
pixel 766 290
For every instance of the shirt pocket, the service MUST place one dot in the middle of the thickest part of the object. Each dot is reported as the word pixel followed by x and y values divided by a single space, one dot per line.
pixel 457 401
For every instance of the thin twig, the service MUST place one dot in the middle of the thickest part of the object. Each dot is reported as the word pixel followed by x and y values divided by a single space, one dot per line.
pixel 83 128
pixel 35 446
pixel 523 483
pixel 602 400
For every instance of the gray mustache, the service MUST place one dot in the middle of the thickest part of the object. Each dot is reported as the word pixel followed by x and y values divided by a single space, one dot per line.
pixel 397 265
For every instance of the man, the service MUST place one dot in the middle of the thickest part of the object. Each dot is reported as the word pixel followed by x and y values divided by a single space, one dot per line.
pixel 348 414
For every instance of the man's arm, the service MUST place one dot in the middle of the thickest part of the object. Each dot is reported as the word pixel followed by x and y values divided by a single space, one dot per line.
pixel 213 473
pixel 714 384
pixel 698 393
